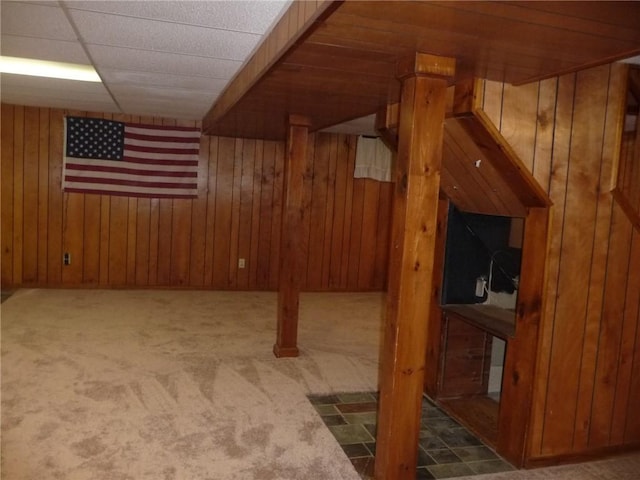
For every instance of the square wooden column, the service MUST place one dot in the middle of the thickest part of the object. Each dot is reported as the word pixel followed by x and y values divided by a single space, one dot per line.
pixel 413 237
pixel 292 245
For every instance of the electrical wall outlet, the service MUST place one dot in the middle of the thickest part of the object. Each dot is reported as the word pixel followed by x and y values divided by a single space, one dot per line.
pixel 241 263
pixel 66 258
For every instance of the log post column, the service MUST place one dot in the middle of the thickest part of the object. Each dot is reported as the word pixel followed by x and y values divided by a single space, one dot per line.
pixel 413 235
pixel 292 246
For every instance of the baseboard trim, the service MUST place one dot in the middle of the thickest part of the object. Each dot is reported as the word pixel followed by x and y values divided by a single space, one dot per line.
pixel 601 453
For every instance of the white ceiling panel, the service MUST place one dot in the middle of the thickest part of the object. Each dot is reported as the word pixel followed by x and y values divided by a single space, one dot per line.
pixel 36 20
pixel 158 58
pixel 43 49
pixel 176 95
pixel 165 108
pixel 116 30
pixel 204 84
pixel 240 16
pixel 143 60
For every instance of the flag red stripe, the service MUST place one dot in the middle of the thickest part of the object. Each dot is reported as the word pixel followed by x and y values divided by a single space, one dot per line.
pixel 159 149
pixel 152 161
pixel 131 171
pixel 160 138
pixel 129 183
pixel 162 127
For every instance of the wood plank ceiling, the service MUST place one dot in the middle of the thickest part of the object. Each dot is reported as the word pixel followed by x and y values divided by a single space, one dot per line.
pixel 340 64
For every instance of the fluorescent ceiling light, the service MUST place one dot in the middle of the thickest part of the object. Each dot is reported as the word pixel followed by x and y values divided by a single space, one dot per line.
pixel 42 68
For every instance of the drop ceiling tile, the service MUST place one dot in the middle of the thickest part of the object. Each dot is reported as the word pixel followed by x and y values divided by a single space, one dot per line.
pixel 240 16
pixel 147 93
pixel 43 49
pixel 167 110
pixel 164 107
pixel 147 61
pixel 116 30
pixel 36 20
pixel 113 77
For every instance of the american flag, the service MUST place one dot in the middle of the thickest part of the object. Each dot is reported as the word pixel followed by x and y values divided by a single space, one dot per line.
pixel 115 158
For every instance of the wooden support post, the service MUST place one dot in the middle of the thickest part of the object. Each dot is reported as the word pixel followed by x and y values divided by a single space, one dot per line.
pixel 292 245
pixel 522 351
pixel 413 236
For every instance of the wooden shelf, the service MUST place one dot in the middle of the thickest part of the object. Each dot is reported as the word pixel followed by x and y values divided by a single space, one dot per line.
pixel 497 321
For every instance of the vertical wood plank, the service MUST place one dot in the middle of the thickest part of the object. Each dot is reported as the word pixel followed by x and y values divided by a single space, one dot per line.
pixel 105 237
pixel 256 233
pixel 266 215
pixel 43 196
pixel 132 241
pixel 355 238
pixel 143 220
pixel 55 200
pixel 348 215
pixel 199 219
pixel 544 140
pixel 624 406
pixel 318 211
pixel 380 261
pixel 605 384
pixel 30 196
pixel 369 235
pixel 211 211
pixel 6 194
pixel 330 181
pixel 91 260
pixel 630 418
pixel 165 240
pixel 519 120
pixel 276 225
pixel 224 190
pixel 180 241
pixel 154 240
pixel 118 236
pixel 73 238
pixel 245 210
pixel 562 122
pixel 339 206
pixel 234 232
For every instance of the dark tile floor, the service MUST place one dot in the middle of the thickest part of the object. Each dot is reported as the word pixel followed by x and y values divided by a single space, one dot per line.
pixel 446 449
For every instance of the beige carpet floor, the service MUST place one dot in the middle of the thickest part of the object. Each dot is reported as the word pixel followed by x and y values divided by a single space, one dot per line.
pixel 100 384
pixel 182 385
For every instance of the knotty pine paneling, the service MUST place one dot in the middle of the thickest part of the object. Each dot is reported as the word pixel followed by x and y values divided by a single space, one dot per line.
pixel 567 132
pixel 141 242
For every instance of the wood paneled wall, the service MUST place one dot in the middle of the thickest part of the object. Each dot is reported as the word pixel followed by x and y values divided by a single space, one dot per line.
pixel 567 131
pixel 120 241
